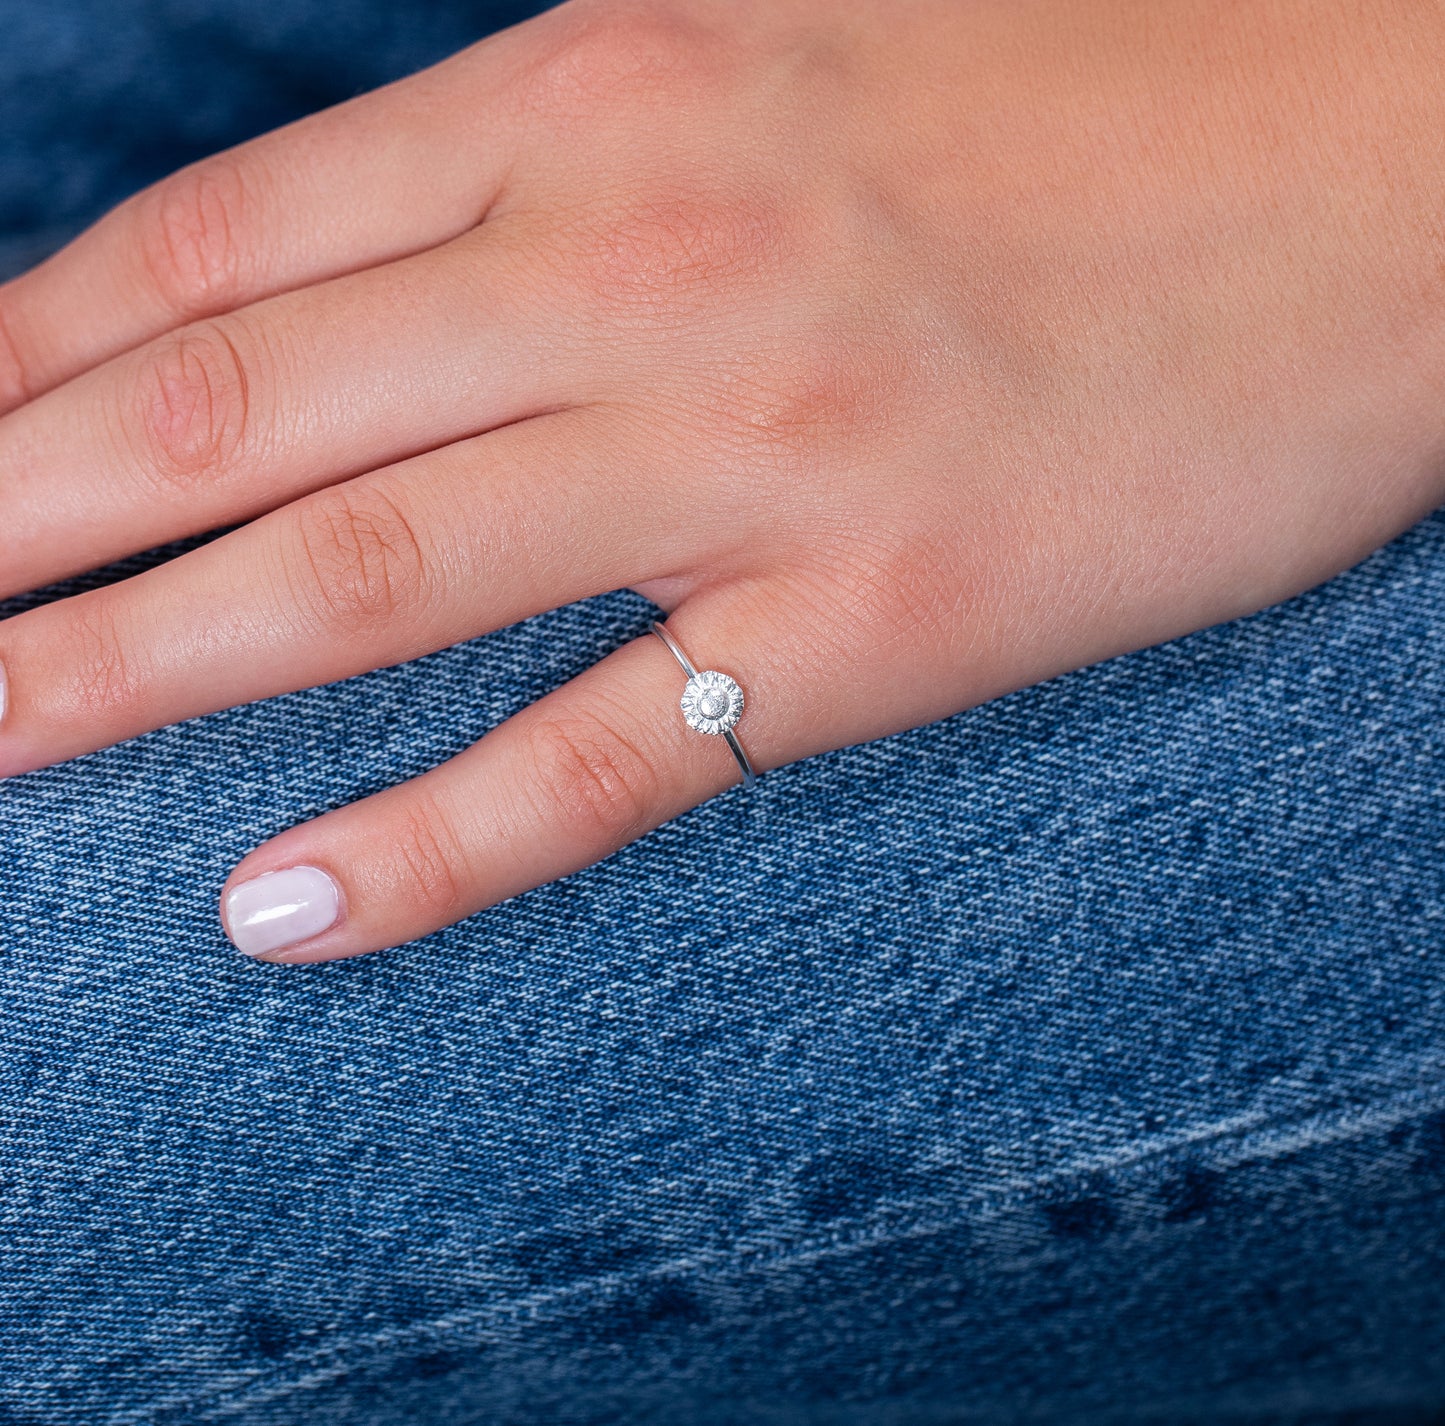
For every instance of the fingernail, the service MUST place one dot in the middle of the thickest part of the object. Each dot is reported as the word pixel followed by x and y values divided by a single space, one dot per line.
pixel 281 908
pixel 2 692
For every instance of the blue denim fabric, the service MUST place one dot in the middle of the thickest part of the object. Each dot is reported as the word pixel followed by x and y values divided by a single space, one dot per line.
pixel 1077 1059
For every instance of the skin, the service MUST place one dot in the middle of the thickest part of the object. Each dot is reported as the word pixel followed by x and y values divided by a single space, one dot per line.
pixel 907 352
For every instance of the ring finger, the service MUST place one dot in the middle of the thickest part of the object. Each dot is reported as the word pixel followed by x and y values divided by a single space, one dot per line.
pixel 556 787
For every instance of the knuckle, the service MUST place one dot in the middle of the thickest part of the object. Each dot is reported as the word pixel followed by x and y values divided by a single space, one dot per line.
pixel 821 403
pixel 192 411
pixel 16 384
pixel 190 226
pixel 595 782
pixel 820 398
pixel 430 861
pixel 601 51
pixel 896 584
pixel 365 561
pixel 675 249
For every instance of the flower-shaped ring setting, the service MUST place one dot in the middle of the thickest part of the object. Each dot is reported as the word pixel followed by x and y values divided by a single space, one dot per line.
pixel 712 702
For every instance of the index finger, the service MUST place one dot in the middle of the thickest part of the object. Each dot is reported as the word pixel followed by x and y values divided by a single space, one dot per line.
pixel 387 174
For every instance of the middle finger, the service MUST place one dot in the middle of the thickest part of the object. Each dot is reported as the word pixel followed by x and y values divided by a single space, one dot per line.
pixel 374 571
pixel 228 417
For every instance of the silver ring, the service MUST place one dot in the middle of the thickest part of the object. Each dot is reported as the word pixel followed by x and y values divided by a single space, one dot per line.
pixel 711 703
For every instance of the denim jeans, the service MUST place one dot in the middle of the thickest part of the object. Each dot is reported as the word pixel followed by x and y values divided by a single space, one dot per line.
pixel 1079 1058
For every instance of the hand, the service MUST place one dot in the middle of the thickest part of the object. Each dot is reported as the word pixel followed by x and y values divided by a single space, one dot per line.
pixel 906 353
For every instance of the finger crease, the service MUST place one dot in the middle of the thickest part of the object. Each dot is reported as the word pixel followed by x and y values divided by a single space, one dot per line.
pixel 10 351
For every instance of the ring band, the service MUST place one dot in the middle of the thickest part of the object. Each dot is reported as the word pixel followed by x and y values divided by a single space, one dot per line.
pixel 711 703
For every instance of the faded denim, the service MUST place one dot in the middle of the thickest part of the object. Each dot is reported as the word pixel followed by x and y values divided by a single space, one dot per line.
pixel 1077 1059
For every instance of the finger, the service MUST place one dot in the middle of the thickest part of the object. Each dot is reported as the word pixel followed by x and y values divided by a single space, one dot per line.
pixel 389 173
pixel 236 414
pixel 369 573
pixel 560 785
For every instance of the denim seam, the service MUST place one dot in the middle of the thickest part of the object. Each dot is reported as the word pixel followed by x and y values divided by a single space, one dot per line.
pixel 1269 1139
